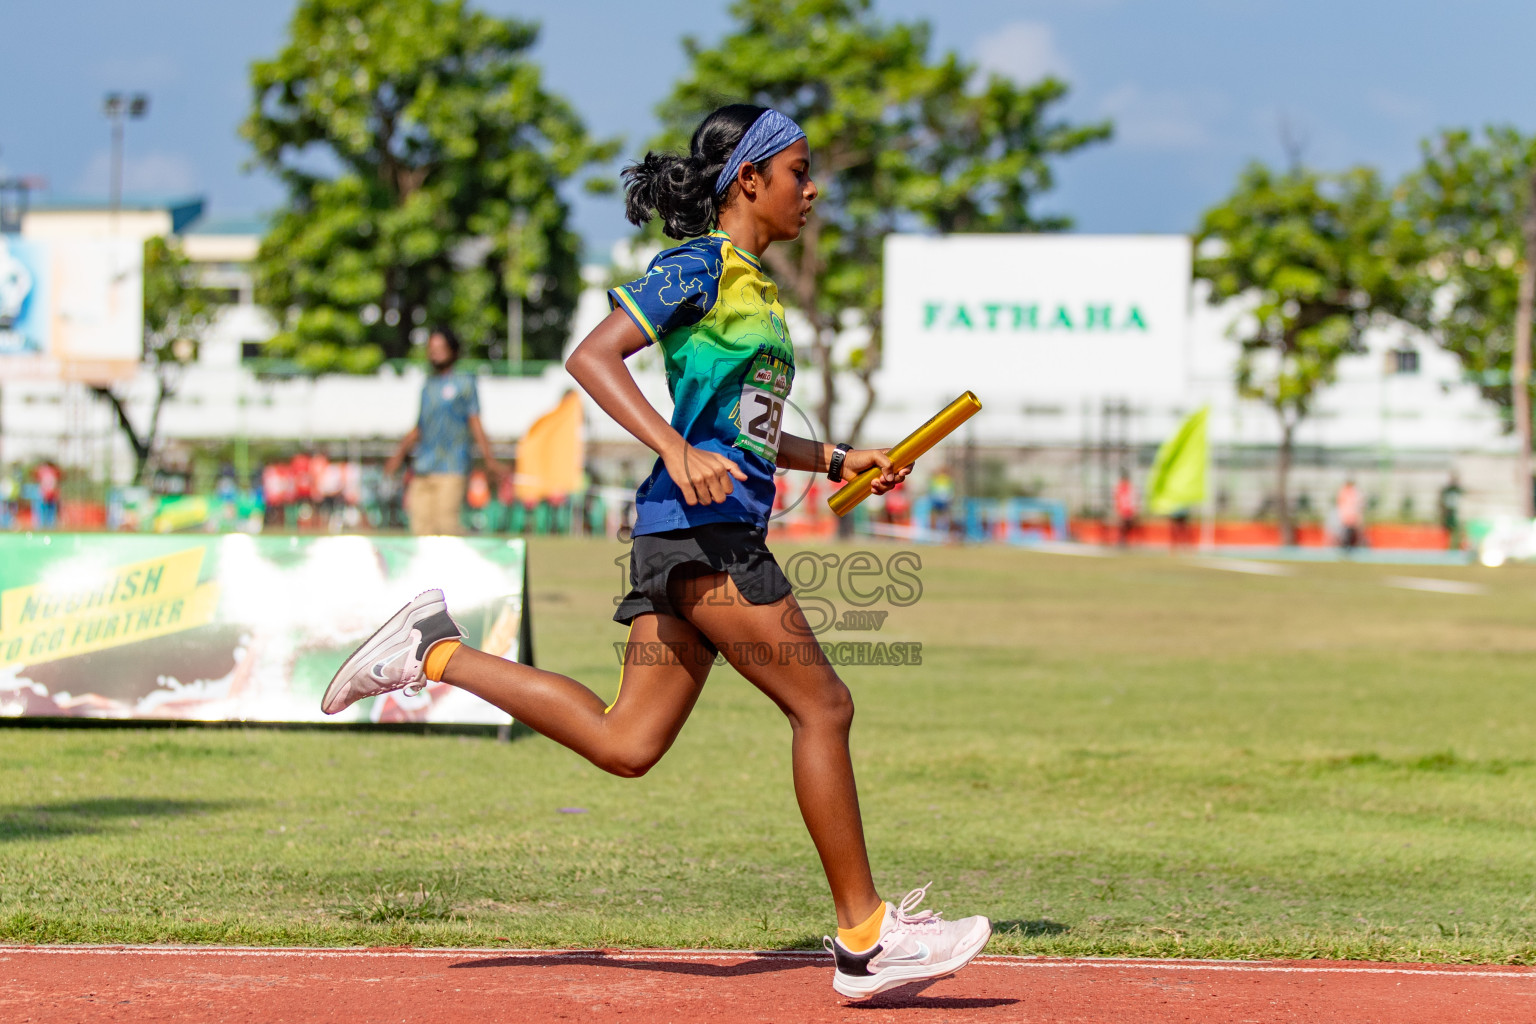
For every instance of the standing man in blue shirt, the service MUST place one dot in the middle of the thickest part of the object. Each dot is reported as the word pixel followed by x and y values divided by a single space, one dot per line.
pixel 449 417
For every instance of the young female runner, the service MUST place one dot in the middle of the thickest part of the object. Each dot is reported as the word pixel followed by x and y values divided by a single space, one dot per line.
pixel 703 579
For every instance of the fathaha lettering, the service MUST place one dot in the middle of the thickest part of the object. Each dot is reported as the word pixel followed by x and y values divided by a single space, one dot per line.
pixel 1033 316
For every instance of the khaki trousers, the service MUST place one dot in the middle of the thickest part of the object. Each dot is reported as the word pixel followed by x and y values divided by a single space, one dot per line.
pixel 433 502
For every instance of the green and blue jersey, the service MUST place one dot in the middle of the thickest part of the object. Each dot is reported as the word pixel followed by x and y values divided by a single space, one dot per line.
pixel 730 366
pixel 448 400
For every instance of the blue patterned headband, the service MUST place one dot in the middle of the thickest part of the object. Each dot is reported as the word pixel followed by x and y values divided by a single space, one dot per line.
pixel 771 133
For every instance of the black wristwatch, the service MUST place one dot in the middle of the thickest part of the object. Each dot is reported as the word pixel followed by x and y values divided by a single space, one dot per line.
pixel 835 468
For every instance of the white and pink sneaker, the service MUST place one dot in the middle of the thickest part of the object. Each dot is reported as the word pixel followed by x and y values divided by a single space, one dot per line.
pixel 393 657
pixel 912 947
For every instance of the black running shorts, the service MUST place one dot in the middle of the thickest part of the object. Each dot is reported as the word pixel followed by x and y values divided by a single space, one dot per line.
pixel 739 549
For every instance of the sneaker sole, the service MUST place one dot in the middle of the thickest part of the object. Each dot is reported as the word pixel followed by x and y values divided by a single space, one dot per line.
pixel 897 976
pixel 356 658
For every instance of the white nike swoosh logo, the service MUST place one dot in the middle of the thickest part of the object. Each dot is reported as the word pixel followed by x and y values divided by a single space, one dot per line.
pixel 380 668
pixel 907 958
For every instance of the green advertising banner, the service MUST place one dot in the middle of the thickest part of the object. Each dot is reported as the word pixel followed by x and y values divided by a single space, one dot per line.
pixel 236 627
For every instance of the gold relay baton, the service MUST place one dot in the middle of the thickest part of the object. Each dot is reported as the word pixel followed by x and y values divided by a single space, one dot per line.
pixel 907 451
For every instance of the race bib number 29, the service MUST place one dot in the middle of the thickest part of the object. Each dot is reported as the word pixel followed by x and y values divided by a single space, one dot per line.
pixel 760 412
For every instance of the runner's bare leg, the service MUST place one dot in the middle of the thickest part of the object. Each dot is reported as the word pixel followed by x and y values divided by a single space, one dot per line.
pixel 656 696
pixel 820 712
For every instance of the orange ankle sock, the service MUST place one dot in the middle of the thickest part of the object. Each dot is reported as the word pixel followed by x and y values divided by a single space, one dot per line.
pixel 437 659
pixel 863 936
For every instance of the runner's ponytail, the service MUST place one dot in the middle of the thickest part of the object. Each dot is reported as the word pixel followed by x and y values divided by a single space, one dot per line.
pixel 681 189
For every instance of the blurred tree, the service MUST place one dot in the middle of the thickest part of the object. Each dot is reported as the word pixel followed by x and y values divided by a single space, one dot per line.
pixel 423 159
pixel 1474 204
pixel 177 312
pixel 1315 259
pixel 897 140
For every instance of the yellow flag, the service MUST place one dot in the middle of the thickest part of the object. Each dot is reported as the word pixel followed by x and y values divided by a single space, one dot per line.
pixel 550 455
pixel 1177 480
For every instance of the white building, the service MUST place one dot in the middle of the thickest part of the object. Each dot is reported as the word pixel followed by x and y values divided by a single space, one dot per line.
pixel 1088 350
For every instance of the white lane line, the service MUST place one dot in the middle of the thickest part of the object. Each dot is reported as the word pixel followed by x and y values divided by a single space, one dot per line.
pixel 1255 968
pixel 335 953
pixel 1245 565
pixel 1065 547
pixel 1435 585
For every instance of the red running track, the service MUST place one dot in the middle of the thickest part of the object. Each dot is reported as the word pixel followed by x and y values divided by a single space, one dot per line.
pixel 361 986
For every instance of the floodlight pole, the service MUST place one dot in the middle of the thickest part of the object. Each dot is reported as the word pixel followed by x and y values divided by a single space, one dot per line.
pixel 117 107
pixel 115 202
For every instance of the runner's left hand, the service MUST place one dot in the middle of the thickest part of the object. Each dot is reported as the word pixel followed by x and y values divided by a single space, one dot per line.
pixel 860 459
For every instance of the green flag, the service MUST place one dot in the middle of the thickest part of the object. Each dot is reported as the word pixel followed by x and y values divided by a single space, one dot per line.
pixel 1178 473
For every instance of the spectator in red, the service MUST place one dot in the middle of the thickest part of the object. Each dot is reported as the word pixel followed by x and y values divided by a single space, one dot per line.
pixel 898 506
pixel 1125 508
pixel 1351 509
pixel 300 481
pixel 276 491
pixel 45 513
pixel 326 484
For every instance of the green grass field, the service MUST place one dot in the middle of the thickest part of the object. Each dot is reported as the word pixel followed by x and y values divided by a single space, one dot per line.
pixel 1135 755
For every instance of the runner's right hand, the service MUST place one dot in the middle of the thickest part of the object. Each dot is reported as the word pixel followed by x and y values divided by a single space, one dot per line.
pixel 703 477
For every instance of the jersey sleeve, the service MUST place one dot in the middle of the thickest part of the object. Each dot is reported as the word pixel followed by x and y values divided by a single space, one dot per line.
pixel 678 290
pixel 471 396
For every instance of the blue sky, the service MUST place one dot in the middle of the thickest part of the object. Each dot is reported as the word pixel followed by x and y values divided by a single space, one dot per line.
pixel 1195 87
